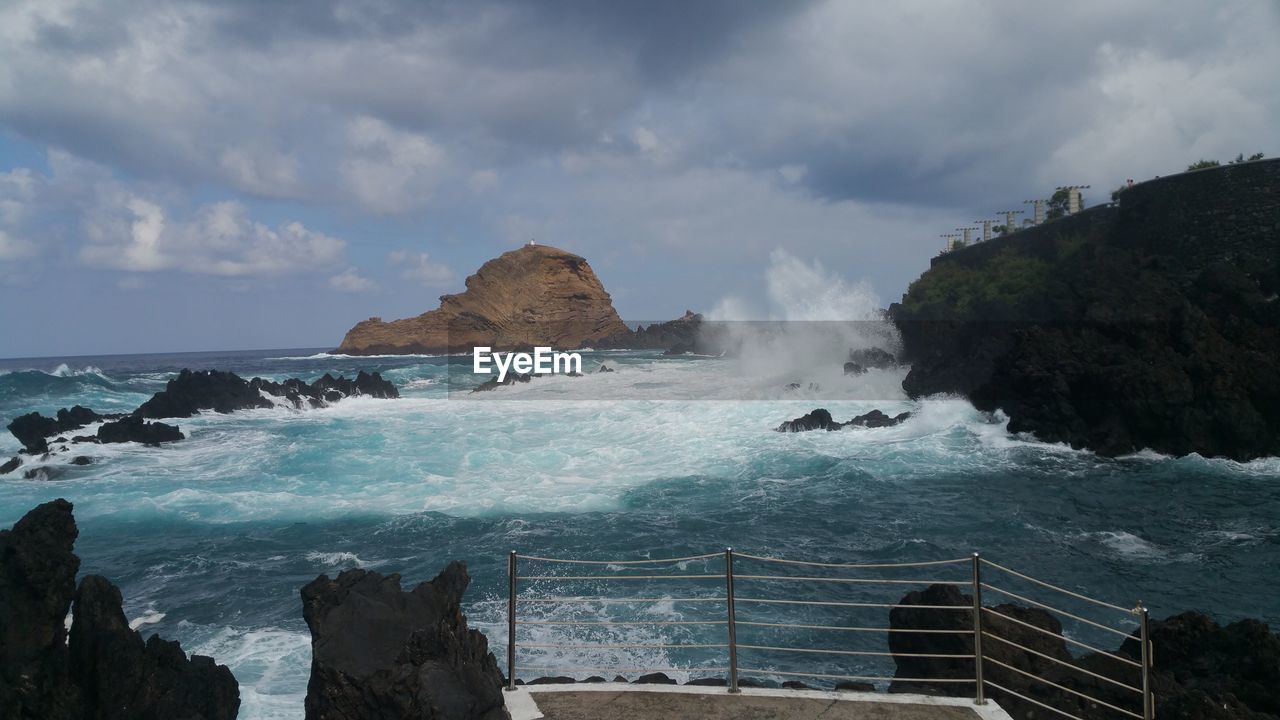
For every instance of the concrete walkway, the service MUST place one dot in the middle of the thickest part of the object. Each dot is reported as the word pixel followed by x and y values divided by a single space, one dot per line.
pixel 606 701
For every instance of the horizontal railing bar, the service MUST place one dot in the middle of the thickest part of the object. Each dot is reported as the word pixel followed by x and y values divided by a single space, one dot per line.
pixel 635 622
pixel 1002 688
pixel 831 603
pixel 852 629
pixel 659 561
pixel 1078 596
pixel 621 577
pixel 617 646
pixel 853 677
pixel 865 581
pixel 1087 621
pixel 615 600
pixel 851 652
pixel 1087 646
pixel 1064 688
pixel 1050 658
pixel 623 670
pixel 851 565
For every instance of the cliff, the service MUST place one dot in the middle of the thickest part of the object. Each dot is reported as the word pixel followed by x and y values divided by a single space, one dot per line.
pixel 1149 323
pixel 537 295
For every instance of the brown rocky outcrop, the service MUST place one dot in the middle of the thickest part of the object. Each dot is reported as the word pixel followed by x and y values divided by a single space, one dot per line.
pixel 536 295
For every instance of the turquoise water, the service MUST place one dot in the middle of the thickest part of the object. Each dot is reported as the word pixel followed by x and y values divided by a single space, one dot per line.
pixel 211 538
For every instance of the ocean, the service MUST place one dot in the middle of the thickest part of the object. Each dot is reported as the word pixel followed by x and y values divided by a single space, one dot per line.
pixel 211 538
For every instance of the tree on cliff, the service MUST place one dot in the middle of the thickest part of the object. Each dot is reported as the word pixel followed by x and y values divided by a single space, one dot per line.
pixel 1059 203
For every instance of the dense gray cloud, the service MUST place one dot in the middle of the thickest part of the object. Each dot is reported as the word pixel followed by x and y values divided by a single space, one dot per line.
pixel 938 103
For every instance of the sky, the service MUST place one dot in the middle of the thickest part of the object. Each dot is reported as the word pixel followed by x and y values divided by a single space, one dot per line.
pixel 230 174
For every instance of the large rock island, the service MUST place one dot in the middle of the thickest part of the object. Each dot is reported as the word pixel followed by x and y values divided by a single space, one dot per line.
pixel 1151 322
pixel 537 295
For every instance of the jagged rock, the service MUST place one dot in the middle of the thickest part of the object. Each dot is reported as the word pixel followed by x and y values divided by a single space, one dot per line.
pixel 193 391
pixel 13 464
pixel 819 419
pixel 33 429
pixel 105 672
pixel 877 419
pixel 595 679
pixel 380 652
pixel 82 460
pixel 37 581
pixel 853 368
pixel 84 439
pixel 604 369
pixel 709 682
pixel 120 677
pixel 683 331
pixel 133 429
pixel 536 295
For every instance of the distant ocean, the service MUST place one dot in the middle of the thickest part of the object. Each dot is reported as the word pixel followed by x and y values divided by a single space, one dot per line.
pixel 211 538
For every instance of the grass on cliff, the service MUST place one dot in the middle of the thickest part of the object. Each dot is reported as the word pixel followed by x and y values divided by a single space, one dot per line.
pixel 1009 286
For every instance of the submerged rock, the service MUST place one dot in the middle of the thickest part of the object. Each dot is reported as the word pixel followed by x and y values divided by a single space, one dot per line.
pixel 105 671
pixel 510 379
pixel 871 358
pixel 379 652
pixel 133 429
pixel 13 464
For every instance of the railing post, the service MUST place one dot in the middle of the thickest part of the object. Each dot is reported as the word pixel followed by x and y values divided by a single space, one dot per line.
pixel 980 695
pixel 511 621
pixel 733 621
pixel 1148 701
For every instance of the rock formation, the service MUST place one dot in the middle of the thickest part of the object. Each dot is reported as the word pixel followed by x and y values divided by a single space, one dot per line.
pixel 821 419
pixel 536 295
pixel 187 394
pixel 679 335
pixel 106 671
pixel 1151 324
pixel 379 652
pixel 1203 671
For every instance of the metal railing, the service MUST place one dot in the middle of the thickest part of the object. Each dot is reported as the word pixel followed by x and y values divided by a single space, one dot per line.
pixel 981 626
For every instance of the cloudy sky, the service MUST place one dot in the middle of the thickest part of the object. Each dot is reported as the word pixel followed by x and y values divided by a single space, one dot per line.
pixel 222 174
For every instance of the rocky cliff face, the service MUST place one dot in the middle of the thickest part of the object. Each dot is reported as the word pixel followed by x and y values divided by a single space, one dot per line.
pixel 1151 324
pixel 537 295
pixel 378 652
pixel 104 670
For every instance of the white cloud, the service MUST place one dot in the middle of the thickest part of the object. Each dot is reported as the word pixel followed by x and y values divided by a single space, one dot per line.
pixel 12 248
pixel 350 280
pixel 391 170
pixel 419 268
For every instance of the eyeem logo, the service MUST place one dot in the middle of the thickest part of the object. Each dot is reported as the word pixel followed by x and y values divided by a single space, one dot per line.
pixel 542 361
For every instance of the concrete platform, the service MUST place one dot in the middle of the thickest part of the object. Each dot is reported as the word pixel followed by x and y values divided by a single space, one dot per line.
pixel 606 701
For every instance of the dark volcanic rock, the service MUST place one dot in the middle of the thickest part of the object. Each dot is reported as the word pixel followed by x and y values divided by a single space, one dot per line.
pixel 105 672
pixel 133 429
pixel 37 581
pixel 683 332
pixel 1153 324
pixel 224 392
pixel 853 368
pixel 819 419
pixel 877 419
pixel 380 652
pixel 871 358
pixel 32 429
pixel 13 464
pixel 554 680
pixel 121 677
pixel 656 678
pixel 82 460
